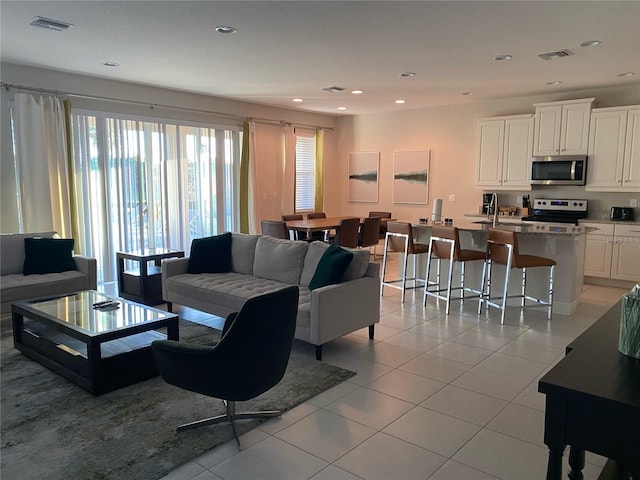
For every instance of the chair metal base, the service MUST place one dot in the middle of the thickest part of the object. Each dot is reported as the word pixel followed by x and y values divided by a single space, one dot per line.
pixel 230 416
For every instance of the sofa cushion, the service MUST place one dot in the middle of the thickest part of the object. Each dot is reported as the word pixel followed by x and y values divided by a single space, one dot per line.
pixel 229 290
pixel 12 250
pixel 243 250
pixel 331 267
pixel 279 259
pixel 210 254
pixel 20 287
pixel 357 268
pixel 48 255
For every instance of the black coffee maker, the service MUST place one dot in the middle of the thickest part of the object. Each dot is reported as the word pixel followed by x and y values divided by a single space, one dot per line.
pixel 486 201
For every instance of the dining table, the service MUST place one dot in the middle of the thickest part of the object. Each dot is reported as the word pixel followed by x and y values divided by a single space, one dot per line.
pixel 319 224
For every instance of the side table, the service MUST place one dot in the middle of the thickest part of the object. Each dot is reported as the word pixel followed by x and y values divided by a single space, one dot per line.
pixel 143 282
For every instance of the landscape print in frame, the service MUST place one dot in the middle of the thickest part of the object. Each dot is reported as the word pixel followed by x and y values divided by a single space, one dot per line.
pixel 411 177
pixel 363 176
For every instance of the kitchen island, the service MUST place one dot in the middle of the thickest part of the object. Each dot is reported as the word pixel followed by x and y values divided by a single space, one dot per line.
pixel 563 243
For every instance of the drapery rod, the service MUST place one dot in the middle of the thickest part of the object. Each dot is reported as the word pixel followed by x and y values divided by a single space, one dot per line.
pixel 7 86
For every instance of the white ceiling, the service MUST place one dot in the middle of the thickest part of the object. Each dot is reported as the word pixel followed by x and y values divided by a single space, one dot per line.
pixel 284 50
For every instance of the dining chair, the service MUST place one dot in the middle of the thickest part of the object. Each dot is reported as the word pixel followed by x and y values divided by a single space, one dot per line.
pixel 275 229
pixel 323 235
pixel 297 235
pixel 347 232
pixel 369 233
pixel 383 225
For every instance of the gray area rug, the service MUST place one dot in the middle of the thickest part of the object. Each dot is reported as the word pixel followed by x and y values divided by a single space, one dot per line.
pixel 53 429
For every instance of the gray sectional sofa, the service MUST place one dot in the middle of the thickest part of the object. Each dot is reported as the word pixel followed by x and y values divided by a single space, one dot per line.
pixel 15 286
pixel 262 264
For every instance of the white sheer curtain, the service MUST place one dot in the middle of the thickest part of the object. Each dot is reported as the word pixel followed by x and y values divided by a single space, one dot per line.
pixel 41 163
pixel 147 183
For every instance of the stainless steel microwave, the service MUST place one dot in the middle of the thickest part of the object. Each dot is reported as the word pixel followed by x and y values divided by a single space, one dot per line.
pixel 559 170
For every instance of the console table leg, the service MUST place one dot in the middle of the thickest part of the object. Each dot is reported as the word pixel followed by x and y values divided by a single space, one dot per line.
pixel 576 462
pixel 554 464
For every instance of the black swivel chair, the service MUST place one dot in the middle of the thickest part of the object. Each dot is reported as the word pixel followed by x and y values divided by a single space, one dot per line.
pixel 250 358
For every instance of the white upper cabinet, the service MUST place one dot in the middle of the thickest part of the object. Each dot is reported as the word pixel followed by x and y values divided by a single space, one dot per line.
pixel 562 128
pixel 504 152
pixel 614 150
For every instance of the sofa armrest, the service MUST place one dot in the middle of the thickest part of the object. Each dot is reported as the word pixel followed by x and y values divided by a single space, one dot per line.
pixel 173 266
pixel 88 266
pixel 342 308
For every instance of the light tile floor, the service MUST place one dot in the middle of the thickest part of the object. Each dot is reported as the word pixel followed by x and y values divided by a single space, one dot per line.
pixel 436 397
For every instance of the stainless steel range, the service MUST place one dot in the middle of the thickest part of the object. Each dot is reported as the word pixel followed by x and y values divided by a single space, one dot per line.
pixel 557 211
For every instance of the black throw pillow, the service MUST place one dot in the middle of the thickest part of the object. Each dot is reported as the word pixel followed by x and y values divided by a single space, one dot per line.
pixel 331 267
pixel 48 255
pixel 210 254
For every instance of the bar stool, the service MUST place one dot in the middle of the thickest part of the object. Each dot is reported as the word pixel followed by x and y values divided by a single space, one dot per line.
pixel 502 248
pixel 399 238
pixel 445 245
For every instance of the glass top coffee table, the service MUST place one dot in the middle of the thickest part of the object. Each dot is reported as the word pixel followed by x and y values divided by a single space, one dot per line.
pixel 100 349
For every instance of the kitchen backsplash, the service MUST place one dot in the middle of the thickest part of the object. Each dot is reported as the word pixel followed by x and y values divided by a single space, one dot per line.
pixel 599 206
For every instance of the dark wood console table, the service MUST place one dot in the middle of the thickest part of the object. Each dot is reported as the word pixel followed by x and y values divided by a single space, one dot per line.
pixel 593 403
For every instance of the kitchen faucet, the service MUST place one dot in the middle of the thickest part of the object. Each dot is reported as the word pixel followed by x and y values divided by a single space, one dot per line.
pixel 494 212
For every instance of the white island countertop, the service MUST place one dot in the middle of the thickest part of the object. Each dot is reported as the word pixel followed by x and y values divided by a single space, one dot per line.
pixel 525 228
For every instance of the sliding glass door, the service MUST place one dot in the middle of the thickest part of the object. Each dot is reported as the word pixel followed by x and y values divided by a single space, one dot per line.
pixel 145 183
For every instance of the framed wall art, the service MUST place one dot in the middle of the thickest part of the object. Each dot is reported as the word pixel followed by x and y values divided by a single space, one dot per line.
pixel 411 177
pixel 363 176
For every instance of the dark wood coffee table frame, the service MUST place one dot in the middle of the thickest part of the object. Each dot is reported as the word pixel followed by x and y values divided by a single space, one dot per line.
pixel 112 359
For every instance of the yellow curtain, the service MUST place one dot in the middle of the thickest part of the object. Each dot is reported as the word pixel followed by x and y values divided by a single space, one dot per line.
pixel 75 227
pixel 244 180
pixel 319 205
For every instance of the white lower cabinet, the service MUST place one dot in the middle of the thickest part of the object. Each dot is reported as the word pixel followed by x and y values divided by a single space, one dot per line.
pixel 625 263
pixel 613 252
pixel 598 251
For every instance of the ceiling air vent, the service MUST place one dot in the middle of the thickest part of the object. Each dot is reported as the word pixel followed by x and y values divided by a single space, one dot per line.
pixel 333 89
pixel 49 24
pixel 553 55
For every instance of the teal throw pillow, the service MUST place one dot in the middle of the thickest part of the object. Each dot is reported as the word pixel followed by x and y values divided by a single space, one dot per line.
pixel 210 254
pixel 331 267
pixel 48 255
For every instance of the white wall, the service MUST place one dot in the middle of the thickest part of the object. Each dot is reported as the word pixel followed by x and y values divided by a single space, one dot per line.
pixel 268 137
pixel 450 134
pixel 448 131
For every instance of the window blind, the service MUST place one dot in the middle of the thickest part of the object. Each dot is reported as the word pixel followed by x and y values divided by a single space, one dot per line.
pixel 305 171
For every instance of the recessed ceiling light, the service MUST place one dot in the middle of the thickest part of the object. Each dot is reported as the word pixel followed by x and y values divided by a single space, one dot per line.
pixel 468 93
pixel 400 101
pixel 110 64
pixel 226 29
pixel 626 74
pixel 357 92
pixel 502 57
pixel 590 43
pixel 342 108
pixel 555 82
pixel 407 74
pixel 298 100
